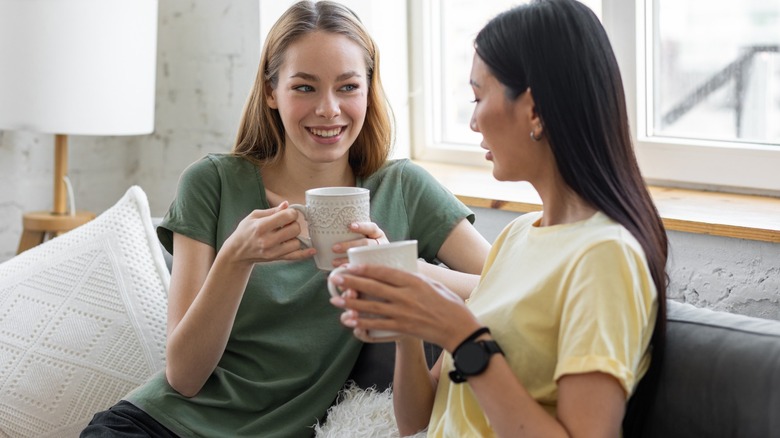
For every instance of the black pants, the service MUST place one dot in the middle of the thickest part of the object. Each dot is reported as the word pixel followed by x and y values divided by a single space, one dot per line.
pixel 124 420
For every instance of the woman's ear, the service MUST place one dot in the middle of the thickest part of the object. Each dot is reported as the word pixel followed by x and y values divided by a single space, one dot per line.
pixel 534 119
pixel 270 95
pixel 525 108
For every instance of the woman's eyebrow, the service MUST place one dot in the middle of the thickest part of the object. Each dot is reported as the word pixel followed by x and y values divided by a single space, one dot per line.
pixel 347 75
pixel 315 78
pixel 305 76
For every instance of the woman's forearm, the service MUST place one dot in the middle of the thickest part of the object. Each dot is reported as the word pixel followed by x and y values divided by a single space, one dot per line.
pixel 459 282
pixel 413 387
pixel 198 341
pixel 464 253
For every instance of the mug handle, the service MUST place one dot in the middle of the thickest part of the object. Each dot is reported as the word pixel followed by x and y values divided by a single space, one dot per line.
pixel 305 241
pixel 332 288
pixel 299 207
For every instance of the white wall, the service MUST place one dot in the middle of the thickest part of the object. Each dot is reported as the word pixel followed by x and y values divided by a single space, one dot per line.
pixel 735 275
pixel 207 60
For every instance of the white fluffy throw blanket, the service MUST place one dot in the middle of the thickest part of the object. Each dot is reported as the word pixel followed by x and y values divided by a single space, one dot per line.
pixel 361 413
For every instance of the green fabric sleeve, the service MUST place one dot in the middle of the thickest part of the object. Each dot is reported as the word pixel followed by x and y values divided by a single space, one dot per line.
pixel 433 210
pixel 195 210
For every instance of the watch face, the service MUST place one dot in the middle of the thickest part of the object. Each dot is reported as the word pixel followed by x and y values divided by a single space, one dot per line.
pixel 471 359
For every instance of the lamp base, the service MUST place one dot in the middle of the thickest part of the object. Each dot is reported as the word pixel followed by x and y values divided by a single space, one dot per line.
pixel 40 225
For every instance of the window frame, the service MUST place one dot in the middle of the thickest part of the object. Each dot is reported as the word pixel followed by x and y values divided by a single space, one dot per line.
pixel 687 163
pixel 423 69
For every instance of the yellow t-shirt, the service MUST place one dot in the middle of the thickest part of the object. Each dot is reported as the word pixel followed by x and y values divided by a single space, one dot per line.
pixel 563 299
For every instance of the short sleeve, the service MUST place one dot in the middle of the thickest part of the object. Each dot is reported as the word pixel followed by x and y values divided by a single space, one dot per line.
pixel 432 210
pixel 194 211
pixel 608 313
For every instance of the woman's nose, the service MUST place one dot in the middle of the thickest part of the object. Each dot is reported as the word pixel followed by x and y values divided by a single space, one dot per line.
pixel 473 123
pixel 328 107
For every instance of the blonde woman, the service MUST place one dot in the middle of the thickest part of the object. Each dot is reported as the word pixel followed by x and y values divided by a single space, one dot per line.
pixel 253 347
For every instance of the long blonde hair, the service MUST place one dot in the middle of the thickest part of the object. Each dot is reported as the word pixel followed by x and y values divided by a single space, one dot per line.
pixel 261 133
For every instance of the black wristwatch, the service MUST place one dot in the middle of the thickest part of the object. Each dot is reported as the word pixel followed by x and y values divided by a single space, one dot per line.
pixel 471 357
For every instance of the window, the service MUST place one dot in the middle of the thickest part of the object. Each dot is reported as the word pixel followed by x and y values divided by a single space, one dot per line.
pixel 442 35
pixel 460 20
pixel 731 93
pixel 702 86
pixel 712 144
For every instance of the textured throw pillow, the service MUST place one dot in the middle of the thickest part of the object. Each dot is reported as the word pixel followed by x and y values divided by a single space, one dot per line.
pixel 82 321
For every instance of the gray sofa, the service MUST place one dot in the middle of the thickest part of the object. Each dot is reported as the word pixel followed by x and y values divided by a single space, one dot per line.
pixel 720 378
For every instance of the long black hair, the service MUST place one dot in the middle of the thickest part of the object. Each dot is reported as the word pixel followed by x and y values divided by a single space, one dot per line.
pixel 560 50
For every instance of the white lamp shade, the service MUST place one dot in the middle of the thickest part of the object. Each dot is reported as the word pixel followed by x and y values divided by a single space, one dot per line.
pixel 84 67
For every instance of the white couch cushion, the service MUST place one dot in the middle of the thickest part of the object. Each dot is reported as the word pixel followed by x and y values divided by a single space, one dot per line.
pixel 82 321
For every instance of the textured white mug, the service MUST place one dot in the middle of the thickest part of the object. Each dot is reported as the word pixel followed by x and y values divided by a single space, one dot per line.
pixel 399 255
pixel 328 212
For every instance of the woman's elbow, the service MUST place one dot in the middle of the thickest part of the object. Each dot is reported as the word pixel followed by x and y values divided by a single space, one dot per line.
pixel 181 383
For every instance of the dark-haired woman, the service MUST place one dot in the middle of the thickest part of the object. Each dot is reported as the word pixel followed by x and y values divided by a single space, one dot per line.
pixel 569 308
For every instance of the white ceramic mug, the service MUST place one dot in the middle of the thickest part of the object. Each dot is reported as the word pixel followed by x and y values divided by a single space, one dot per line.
pixel 399 255
pixel 328 212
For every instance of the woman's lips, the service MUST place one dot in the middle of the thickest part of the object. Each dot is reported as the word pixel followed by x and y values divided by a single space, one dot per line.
pixel 488 154
pixel 327 135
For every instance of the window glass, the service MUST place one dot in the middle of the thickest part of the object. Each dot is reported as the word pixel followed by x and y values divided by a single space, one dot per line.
pixel 458 22
pixel 702 82
pixel 716 70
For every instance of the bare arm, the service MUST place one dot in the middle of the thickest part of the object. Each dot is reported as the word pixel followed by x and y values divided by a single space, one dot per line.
pixel 202 305
pixel 589 405
pixel 206 289
pixel 414 386
pixel 464 252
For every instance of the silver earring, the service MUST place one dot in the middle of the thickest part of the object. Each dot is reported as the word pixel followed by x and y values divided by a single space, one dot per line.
pixel 535 138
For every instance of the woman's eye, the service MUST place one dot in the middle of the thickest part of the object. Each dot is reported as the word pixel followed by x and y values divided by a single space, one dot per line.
pixel 349 87
pixel 304 88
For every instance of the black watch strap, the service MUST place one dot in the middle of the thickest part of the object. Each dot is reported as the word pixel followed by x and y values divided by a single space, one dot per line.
pixel 484 350
pixel 477 333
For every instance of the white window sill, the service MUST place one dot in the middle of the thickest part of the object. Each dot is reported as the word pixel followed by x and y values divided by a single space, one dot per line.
pixel 690 211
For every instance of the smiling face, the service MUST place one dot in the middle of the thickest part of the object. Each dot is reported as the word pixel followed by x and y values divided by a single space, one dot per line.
pixel 321 95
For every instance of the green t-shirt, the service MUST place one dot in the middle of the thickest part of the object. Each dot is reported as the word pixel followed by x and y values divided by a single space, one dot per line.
pixel 288 355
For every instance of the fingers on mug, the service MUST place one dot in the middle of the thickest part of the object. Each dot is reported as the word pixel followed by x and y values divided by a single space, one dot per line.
pixel 328 213
pixel 399 255
pixel 332 288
